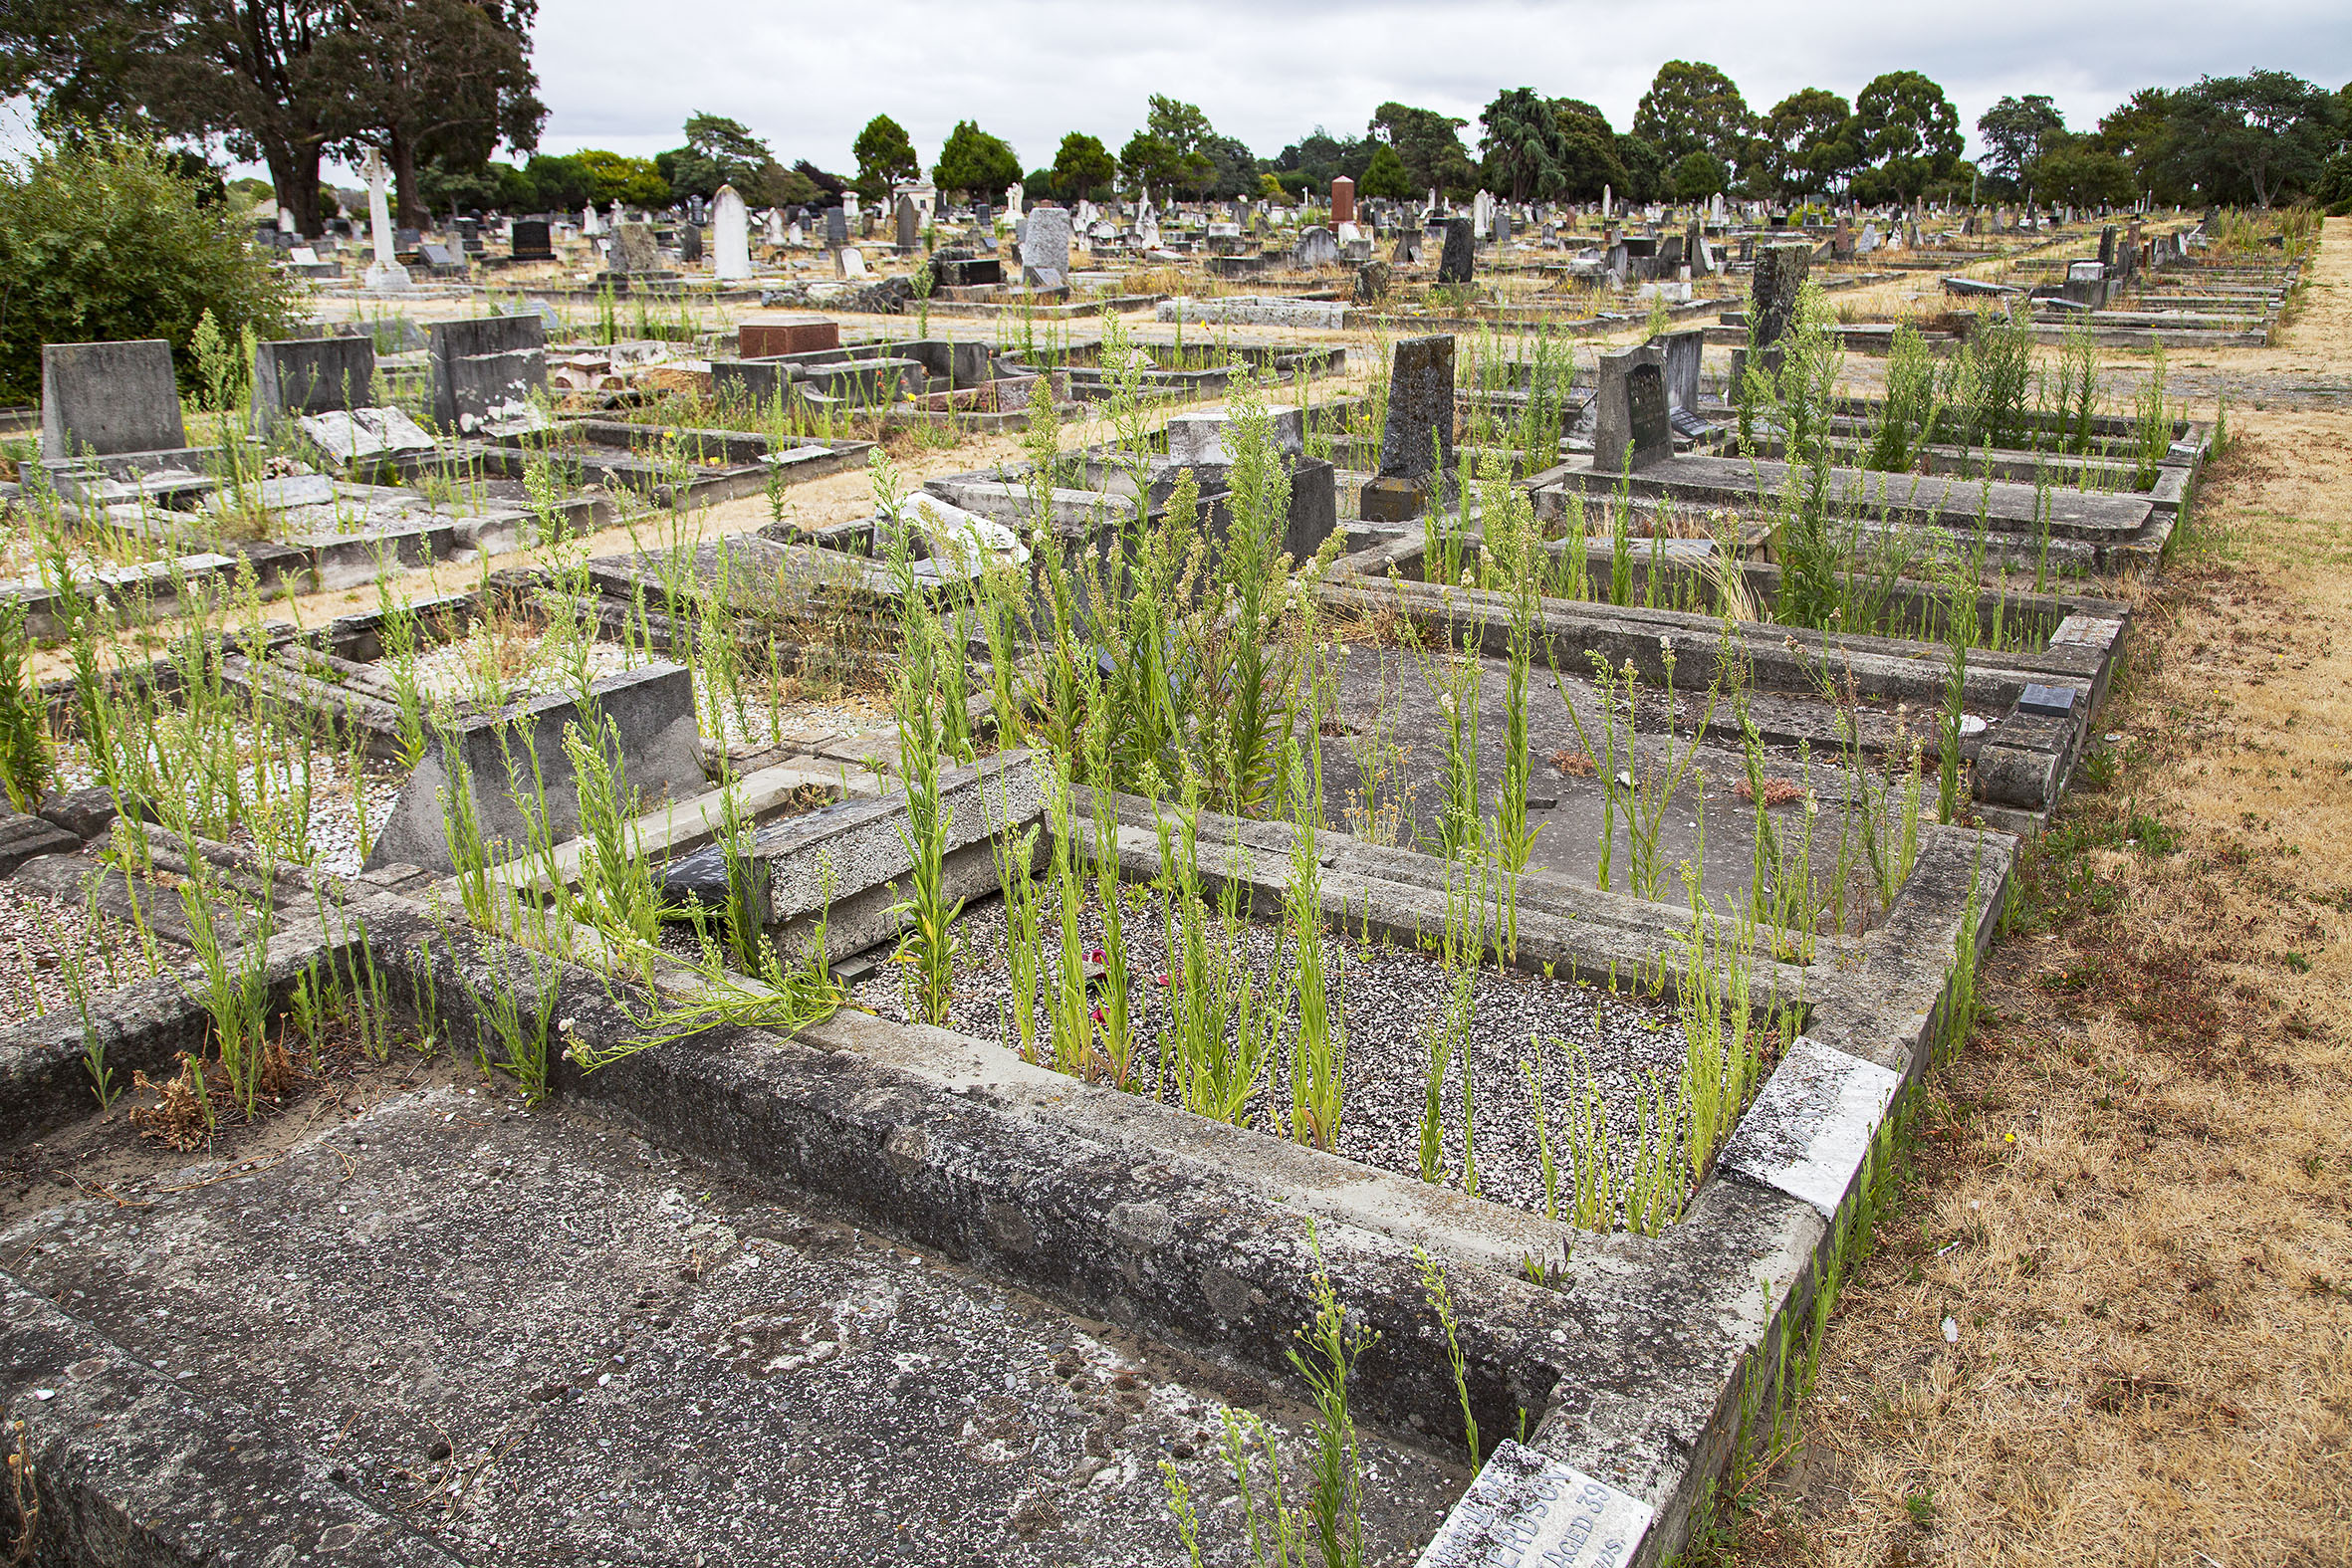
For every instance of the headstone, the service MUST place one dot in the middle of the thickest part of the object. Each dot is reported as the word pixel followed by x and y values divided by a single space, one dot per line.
pixel 1683 353
pixel 632 248
pixel 767 340
pixel 1631 429
pixel 2107 246
pixel 850 261
pixel 908 222
pixel 1417 442
pixel 310 375
pixel 836 228
pixel 484 369
pixel 106 399
pixel 1044 245
pixel 386 274
pixel 1371 282
pixel 1342 200
pixel 731 237
pixel 590 226
pixel 1779 274
pixel 531 240
pixel 775 230
pixel 1454 266
pixel 690 242
pixel 1317 248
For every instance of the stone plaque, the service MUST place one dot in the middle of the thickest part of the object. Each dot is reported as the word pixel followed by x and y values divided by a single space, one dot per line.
pixel 1529 1512
pixel 1645 403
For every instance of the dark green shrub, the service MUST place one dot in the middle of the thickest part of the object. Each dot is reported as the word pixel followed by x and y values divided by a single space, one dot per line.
pixel 102 238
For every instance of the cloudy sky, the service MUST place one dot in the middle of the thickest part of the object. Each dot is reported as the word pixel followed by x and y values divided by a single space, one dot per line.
pixel 624 74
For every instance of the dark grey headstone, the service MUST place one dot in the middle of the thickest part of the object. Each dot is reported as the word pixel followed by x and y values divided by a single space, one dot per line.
pixel 484 361
pixel 1420 401
pixel 310 375
pixel 1779 274
pixel 1630 412
pixel 1683 352
pixel 836 227
pixel 109 398
pixel 533 240
pixel 690 242
pixel 2051 701
pixel 439 255
pixel 908 220
pixel 1456 265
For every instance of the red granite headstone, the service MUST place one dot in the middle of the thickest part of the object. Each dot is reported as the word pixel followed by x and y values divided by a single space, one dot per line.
pixel 1342 200
pixel 763 340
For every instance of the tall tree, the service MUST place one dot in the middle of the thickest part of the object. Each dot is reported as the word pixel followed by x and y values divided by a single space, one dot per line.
pixel 1691 106
pixel 1429 145
pixel 884 156
pixel 286 83
pixel 439 81
pixel 1909 129
pixel 975 161
pixel 1589 162
pixel 1525 152
pixel 1385 177
pixel 717 151
pixel 1809 140
pixel 2262 135
pixel 1152 164
pixel 1081 164
pixel 2018 131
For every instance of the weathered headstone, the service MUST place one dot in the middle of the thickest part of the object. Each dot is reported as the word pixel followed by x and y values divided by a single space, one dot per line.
pixel 849 262
pixel 1683 353
pixel 690 242
pixel 386 274
pixel 1773 289
pixel 1371 281
pixel 1456 265
pixel 908 222
pixel 1044 246
pixel 484 369
pixel 108 399
pixel 1417 442
pixel 731 237
pixel 836 228
pixel 1315 247
pixel 1632 429
pixel 310 375
pixel 633 250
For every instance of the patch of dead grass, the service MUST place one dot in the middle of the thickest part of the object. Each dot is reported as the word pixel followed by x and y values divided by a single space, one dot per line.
pixel 2133 1191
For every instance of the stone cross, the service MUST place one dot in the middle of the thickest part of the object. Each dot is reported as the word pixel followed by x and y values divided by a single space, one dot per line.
pixel 386 274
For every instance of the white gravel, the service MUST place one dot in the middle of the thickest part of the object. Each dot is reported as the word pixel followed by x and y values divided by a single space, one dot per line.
pixel 1393 997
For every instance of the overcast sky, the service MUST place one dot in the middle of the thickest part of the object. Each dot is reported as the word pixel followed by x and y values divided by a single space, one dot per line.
pixel 625 74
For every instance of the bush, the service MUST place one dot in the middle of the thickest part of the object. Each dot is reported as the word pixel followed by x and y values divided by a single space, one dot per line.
pixel 102 239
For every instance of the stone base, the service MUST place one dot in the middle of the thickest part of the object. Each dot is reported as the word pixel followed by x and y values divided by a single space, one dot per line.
pixel 387 278
pixel 1387 499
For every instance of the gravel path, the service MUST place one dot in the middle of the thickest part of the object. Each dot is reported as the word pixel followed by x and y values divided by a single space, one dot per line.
pixel 41 941
pixel 1393 1001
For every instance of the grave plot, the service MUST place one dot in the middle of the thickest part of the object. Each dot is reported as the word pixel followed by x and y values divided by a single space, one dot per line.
pixel 1174 372
pixel 963 383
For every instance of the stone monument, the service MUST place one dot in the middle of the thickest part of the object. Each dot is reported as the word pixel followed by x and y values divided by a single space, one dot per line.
pixel 731 237
pixel 1417 442
pixel 386 274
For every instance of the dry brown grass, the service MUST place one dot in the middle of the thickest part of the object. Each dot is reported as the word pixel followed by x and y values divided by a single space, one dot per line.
pixel 2133 1191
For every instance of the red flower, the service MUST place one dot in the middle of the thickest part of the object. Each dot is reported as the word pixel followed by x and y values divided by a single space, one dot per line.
pixel 1162 979
pixel 1094 955
pixel 1097 1013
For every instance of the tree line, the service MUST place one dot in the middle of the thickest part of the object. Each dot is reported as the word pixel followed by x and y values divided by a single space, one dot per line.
pixel 439 86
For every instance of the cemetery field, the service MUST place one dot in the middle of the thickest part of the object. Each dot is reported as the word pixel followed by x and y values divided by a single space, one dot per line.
pixel 2109 1305
pixel 1538 893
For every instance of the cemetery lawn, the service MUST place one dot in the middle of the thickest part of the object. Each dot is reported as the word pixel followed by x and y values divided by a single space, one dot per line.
pixel 2109 1317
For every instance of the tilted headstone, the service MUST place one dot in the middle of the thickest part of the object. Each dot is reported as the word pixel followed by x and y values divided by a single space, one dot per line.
pixel 1631 428
pixel 310 375
pixel 1417 442
pixel 1456 265
pixel 849 262
pixel 108 399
